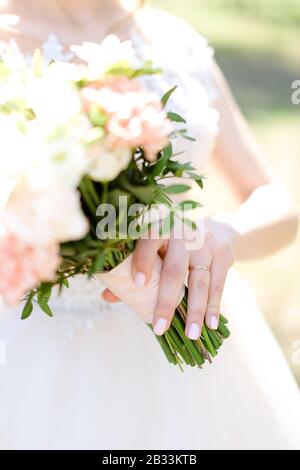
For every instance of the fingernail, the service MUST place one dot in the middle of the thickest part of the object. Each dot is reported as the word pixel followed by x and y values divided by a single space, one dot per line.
pixel 213 323
pixel 194 331
pixel 160 326
pixel 140 280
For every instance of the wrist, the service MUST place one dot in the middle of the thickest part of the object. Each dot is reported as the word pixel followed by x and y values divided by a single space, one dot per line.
pixel 234 230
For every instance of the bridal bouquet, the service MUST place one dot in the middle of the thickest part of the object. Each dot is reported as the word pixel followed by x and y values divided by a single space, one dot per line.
pixel 86 152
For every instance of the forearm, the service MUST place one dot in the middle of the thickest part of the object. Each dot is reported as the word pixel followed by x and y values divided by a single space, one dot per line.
pixel 266 222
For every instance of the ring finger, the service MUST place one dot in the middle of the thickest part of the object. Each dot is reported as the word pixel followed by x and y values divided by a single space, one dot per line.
pixel 219 271
pixel 199 282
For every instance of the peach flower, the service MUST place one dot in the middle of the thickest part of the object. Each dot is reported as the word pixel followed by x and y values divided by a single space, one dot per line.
pixel 45 213
pixel 24 266
pixel 135 118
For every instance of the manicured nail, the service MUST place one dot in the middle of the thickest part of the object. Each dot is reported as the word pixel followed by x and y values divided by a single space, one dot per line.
pixel 160 326
pixel 140 280
pixel 194 331
pixel 213 323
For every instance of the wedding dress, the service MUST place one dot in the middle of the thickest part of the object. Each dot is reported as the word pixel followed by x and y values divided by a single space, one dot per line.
pixel 94 376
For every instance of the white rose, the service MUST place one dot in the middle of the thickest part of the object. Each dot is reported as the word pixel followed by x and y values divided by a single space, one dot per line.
pixel 105 163
pixel 58 155
pixel 100 57
pixel 53 101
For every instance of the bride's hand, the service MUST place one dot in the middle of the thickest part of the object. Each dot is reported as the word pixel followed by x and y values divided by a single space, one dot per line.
pixel 208 268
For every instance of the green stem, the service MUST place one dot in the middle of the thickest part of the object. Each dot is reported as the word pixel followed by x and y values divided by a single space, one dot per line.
pixel 105 193
pixel 223 330
pixel 88 199
pixel 208 342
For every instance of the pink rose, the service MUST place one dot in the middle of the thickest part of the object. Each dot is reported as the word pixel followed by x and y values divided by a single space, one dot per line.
pixel 24 266
pixel 135 117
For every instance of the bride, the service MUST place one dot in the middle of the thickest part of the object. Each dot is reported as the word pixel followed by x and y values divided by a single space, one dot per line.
pixel 93 377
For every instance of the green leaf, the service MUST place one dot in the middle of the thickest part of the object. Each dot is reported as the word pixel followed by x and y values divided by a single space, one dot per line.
pixel 46 309
pixel 65 283
pixel 163 161
pixel 176 118
pixel 189 204
pixel 184 135
pixel 168 151
pixel 168 95
pixel 174 165
pixel 161 198
pixel 96 115
pixel 27 310
pixel 44 292
pixel 147 69
pixel 191 224
pixel 167 224
pixel 176 189
pixel 144 194
pixel 123 68
pixel 198 178
pixel 43 297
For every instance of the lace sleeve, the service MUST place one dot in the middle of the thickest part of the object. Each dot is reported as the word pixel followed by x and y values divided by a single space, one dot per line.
pixel 202 60
pixel 186 61
pixel 182 45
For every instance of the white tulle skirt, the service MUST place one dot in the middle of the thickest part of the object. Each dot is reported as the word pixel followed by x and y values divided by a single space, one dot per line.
pixel 94 377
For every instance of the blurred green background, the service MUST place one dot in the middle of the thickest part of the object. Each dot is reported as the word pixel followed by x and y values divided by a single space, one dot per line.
pixel 257 44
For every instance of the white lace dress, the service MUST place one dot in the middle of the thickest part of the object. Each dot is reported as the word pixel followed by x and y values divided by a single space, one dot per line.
pixel 94 377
